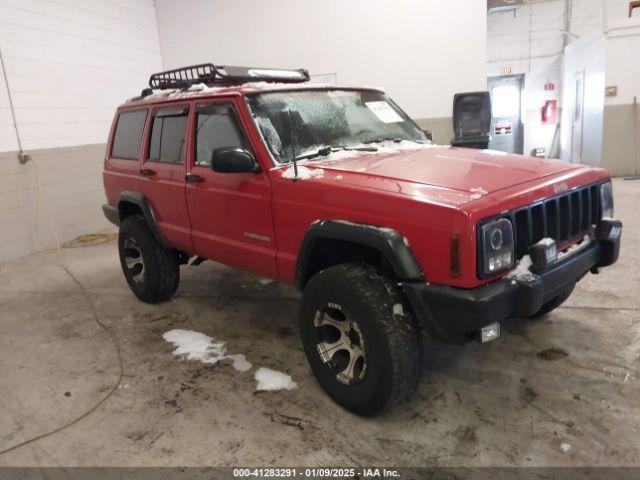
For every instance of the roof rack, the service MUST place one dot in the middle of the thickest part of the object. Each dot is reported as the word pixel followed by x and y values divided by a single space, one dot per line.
pixel 208 73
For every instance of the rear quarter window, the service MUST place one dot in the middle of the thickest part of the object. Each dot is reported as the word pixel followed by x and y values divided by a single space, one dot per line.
pixel 167 135
pixel 128 135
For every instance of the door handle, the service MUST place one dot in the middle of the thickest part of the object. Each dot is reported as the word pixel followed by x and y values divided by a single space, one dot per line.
pixel 147 172
pixel 193 178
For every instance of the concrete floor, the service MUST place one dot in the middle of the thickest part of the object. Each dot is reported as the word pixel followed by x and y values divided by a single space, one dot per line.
pixel 571 378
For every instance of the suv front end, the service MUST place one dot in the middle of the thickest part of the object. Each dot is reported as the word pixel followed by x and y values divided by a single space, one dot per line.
pixel 526 258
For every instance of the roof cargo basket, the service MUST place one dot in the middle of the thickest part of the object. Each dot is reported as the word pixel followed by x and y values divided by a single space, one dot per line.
pixel 208 73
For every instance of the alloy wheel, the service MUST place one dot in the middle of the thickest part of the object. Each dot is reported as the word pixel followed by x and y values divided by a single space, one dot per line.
pixel 341 346
pixel 133 260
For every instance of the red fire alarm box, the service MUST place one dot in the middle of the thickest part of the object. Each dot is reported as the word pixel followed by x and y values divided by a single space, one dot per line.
pixel 550 112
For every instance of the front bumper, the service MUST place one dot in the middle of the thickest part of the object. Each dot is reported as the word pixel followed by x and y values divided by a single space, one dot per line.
pixel 453 314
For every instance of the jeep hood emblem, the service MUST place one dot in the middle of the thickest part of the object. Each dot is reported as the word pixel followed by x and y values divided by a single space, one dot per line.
pixel 561 188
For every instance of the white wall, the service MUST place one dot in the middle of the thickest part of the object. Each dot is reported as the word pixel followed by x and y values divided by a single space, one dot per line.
pixel 420 51
pixel 586 54
pixel 531 41
pixel 69 64
pixel 623 41
pixel 621 136
pixel 7 133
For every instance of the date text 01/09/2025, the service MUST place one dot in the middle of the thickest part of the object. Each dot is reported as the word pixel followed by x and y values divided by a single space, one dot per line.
pixel 315 473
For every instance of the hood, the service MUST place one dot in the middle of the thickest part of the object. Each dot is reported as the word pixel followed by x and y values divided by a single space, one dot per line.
pixel 466 170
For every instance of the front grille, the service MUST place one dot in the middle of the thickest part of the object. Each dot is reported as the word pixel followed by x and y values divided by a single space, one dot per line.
pixel 563 218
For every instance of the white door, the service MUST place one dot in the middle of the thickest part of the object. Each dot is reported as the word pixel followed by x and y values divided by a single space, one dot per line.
pixel 577 121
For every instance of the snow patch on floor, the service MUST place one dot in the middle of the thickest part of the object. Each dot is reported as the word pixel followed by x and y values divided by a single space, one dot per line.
pixel 240 362
pixel 270 380
pixel 192 345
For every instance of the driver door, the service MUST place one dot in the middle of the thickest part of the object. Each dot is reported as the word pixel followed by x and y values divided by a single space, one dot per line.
pixel 230 212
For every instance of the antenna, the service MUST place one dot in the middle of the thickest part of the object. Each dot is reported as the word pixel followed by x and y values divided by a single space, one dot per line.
pixel 294 140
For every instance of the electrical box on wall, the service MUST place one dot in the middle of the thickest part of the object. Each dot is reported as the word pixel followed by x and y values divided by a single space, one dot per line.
pixel 504 128
pixel 550 112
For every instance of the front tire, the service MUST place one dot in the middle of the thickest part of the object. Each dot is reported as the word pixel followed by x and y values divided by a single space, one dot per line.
pixel 152 271
pixel 359 337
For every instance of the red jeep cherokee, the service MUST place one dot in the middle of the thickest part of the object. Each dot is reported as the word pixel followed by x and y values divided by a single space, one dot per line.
pixel 337 191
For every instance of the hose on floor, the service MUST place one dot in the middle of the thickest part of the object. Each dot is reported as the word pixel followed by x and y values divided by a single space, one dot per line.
pixel 96 319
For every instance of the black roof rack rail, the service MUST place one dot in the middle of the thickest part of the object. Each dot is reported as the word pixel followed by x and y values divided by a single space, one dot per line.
pixel 208 73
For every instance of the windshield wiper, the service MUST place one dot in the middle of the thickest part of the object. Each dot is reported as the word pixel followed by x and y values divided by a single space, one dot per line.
pixel 392 139
pixel 384 139
pixel 326 151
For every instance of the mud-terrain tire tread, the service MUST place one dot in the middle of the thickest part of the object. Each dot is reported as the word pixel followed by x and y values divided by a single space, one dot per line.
pixel 162 270
pixel 401 334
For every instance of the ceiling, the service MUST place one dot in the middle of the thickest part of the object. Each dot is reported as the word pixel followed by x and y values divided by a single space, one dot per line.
pixel 494 6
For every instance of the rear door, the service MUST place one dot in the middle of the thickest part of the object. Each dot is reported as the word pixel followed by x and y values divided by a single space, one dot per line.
pixel 163 170
pixel 230 212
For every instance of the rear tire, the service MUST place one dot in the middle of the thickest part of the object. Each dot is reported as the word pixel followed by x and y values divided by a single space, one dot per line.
pixel 359 337
pixel 553 304
pixel 152 271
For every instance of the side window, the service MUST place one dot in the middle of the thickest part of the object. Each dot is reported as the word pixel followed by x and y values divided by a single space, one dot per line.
pixel 167 135
pixel 216 126
pixel 128 135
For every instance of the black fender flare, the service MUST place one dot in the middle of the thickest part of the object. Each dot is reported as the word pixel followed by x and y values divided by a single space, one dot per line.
pixel 387 241
pixel 141 201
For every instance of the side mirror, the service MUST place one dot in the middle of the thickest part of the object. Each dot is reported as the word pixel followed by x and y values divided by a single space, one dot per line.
pixel 428 134
pixel 233 160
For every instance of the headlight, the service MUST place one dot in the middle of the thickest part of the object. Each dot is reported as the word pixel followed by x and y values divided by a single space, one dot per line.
pixel 606 199
pixel 497 246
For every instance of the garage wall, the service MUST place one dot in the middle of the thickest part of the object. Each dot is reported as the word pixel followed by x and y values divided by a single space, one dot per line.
pixel 421 51
pixel 69 63
pixel 621 136
pixel 585 55
pixel 611 124
pixel 531 39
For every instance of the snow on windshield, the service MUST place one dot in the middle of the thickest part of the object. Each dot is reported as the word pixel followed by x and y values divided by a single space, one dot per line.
pixel 298 123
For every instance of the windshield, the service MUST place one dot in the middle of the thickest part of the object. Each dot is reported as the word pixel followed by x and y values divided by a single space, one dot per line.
pixel 295 124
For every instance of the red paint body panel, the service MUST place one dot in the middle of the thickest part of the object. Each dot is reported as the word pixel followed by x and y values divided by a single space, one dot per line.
pixel 165 191
pixel 258 221
pixel 231 212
